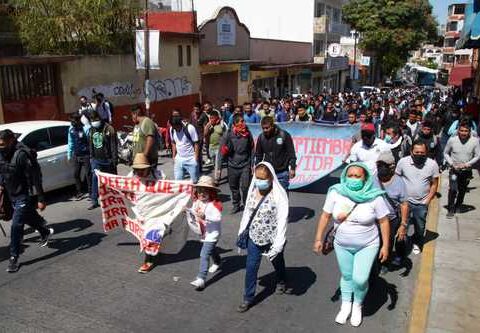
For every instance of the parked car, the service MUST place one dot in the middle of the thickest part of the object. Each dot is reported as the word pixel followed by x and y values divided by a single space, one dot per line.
pixel 49 139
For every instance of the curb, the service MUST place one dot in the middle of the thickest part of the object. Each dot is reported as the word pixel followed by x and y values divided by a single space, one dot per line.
pixel 423 286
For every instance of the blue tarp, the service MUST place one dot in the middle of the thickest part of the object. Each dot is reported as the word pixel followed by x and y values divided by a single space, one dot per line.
pixel 470 36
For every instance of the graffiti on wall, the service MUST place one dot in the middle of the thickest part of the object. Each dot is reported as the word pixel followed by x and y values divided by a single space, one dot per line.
pixel 158 90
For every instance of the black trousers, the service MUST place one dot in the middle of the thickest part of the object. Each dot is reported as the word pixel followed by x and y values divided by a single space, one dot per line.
pixel 239 180
pixel 458 183
pixel 82 162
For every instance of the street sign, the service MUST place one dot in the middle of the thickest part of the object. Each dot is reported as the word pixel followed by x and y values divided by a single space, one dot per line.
pixel 334 50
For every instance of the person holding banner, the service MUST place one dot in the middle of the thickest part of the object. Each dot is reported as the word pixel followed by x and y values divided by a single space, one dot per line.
pixel 265 223
pixel 355 206
pixel 208 214
pixel 142 168
pixel 275 146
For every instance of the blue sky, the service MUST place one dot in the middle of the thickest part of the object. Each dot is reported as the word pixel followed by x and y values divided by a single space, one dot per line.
pixel 440 8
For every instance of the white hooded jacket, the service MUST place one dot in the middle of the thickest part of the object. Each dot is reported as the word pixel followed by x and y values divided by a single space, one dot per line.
pixel 280 198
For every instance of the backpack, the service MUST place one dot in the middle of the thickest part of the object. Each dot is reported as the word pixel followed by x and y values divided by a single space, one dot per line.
pixel 6 208
pixel 110 105
pixel 185 131
pixel 35 169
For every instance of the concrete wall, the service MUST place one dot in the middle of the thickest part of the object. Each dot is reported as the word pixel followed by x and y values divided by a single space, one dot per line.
pixel 280 52
pixel 117 78
pixel 209 50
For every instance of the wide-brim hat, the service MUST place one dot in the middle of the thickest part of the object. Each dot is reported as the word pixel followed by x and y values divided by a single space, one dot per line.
pixel 140 162
pixel 207 182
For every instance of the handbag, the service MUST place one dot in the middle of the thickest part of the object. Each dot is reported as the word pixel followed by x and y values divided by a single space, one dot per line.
pixel 242 239
pixel 329 238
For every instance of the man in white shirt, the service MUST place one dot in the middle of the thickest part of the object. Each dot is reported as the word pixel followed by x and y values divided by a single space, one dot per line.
pixel 368 148
pixel 185 149
pixel 421 178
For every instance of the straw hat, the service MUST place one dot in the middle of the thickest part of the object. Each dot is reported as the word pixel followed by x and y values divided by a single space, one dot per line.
pixel 207 182
pixel 140 161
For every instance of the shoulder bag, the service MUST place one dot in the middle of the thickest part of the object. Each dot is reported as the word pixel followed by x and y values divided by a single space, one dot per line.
pixel 329 238
pixel 242 240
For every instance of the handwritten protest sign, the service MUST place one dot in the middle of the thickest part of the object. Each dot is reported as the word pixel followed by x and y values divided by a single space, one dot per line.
pixel 151 210
pixel 320 148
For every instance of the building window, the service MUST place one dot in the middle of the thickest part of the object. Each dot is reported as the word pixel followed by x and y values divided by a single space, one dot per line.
pixel 459 10
pixel 336 15
pixel 450 42
pixel 448 58
pixel 319 9
pixel 180 56
pixel 189 55
pixel 452 26
pixel 319 46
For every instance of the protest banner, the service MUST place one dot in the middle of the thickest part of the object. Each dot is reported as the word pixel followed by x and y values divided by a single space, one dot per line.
pixel 151 210
pixel 320 148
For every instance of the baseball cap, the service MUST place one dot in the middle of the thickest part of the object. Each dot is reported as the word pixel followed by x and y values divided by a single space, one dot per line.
pixel 368 127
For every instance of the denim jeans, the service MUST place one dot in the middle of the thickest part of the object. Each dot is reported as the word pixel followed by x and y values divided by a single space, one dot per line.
pixel 284 179
pixel 82 162
pixel 254 257
pixel 103 166
pixel 24 212
pixel 208 250
pixel 418 217
pixel 190 165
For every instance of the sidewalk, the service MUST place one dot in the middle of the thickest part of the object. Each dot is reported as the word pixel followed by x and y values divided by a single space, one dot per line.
pixel 455 275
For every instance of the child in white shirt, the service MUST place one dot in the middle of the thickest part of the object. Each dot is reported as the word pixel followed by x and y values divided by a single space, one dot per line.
pixel 208 212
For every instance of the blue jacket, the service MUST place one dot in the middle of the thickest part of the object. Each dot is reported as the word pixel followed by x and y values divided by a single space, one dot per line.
pixel 77 142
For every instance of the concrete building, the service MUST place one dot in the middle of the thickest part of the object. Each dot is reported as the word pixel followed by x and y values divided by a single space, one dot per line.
pixel 235 65
pixel 457 62
pixel 293 21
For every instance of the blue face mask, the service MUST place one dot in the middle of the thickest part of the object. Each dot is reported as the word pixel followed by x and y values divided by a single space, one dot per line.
pixel 388 138
pixel 262 184
pixel 354 184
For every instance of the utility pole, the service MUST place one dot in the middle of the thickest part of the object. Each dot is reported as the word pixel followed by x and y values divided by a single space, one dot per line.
pixel 355 35
pixel 147 59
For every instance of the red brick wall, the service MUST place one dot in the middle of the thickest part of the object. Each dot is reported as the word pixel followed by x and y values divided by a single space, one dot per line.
pixel 160 111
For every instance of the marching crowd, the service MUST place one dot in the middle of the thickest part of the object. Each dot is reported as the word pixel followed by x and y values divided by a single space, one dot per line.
pixel 406 138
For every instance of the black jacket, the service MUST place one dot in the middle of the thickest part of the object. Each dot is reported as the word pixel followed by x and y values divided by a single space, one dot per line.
pixel 20 175
pixel 277 150
pixel 240 150
pixel 103 143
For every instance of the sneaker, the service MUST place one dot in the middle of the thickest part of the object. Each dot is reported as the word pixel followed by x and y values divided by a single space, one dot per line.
pixel 356 318
pixel 416 249
pixel 44 240
pixel 93 206
pixel 12 265
pixel 214 268
pixel 280 289
pixel 208 161
pixel 198 283
pixel 146 267
pixel 243 307
pixel 344 313
pixel 451 213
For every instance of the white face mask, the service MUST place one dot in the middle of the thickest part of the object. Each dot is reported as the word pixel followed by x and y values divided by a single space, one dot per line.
pixel 96 124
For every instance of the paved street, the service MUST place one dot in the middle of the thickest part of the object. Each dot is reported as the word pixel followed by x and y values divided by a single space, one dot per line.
pixel 87 281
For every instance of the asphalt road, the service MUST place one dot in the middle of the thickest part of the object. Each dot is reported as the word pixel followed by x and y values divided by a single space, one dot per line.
pixel 87 280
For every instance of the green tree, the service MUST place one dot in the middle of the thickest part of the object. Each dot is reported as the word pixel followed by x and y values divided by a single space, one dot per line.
pixel 76 26
pixel 391 29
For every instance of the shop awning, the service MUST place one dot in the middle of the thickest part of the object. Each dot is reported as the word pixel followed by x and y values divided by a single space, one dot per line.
pixel 458 74
pixel 470 36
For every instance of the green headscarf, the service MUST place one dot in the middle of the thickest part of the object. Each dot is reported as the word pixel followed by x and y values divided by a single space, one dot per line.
pixel 368 191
